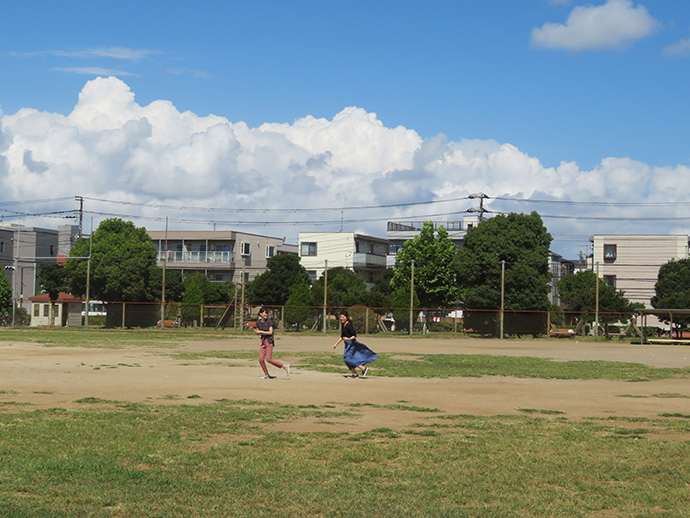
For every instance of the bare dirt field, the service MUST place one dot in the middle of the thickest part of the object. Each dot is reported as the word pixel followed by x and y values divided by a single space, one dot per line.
pixel 37 377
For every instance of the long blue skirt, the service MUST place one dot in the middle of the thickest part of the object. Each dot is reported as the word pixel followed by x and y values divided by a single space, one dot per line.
pixel 356 354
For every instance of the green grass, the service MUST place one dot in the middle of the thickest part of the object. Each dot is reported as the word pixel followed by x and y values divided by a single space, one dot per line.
pixel 219 460
pixel 465 365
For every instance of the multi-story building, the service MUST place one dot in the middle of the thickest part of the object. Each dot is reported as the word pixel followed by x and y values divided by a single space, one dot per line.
pixel 23 249
pixel 631 262
pixel 365 255
pixel 399 232
pixel 220 255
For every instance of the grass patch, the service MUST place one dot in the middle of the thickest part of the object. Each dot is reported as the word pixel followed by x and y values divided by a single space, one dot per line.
pixel 465 365
pixel 219 460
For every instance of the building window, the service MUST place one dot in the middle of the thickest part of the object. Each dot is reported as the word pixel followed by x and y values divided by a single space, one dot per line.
pixel 246 277
pixel 46 310
pixel 610 280
pixel 246 249
pixel 2 246
pixel 37 310
pixel 270 251
pixel 52 250
pixel 308 250
pixel 609 253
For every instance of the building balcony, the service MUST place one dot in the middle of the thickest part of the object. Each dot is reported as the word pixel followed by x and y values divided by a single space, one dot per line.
pixel 369 261
pixel 217 258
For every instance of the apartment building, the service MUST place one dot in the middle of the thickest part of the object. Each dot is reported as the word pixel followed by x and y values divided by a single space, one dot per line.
pixel 24 248
pixel 631 262
pixel 365 255
pixel 220 255
pixel 399 232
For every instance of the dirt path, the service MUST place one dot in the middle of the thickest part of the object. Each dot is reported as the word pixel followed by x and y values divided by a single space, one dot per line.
pixel 37 377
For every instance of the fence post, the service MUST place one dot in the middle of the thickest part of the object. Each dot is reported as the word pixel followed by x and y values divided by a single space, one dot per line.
pixel 548 324
pixel 366 320
pixel 124 305
pixel 201 314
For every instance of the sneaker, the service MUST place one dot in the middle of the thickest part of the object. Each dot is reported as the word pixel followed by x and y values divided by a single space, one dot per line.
pixel 287 369
pixel 266 377
pixel 350 376
pixel 366 369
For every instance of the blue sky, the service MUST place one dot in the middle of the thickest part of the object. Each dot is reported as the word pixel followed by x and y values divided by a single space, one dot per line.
pixel 504 81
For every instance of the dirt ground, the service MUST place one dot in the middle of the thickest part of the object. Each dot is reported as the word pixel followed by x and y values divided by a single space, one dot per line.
pixel 37 377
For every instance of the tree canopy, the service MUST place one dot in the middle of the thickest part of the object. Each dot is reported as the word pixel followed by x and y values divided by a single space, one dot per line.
pixel 5 294
pixel 520 240
pixel 672 289
pixel 272 288
pixel 345 288
pixel 433 254
pixel 121 260
pixel 578 292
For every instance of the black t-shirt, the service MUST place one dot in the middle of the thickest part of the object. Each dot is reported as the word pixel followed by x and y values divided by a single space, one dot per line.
pixel 348 330
pixel 265 325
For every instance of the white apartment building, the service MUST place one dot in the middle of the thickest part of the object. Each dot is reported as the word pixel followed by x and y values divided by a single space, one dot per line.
pixel 362 254
pixel 631 262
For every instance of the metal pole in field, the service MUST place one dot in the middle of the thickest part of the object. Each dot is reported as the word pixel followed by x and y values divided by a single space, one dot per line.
pixel 242 302
pixel 88 277
pixel 503 284
pixel 325 293
pixel 165 264
pixel 411 296
pixel 596 303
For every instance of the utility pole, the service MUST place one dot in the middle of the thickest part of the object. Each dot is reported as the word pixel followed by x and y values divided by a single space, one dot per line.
pixel 503 284
pixel 325 292
pixel 165 264
pixel 81 215
pixel 411 296
pixel 596 303
pixel 481 208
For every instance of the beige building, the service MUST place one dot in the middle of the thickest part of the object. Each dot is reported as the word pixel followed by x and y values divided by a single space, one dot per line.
pixel 67 310
pixel 631 262
pixel 218 254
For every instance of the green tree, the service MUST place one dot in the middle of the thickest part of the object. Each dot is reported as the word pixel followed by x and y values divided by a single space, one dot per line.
pixel 121 260
pixel 672 290
pixel 345 289
pixel 52 278
pixel 522 241
pixel 174 288
pixel 433 254
pixel 300 307
pixel 272 288
pixel 401 308
pixel 5 294
pixel 380 296
pixel 578 293
pixel 193 298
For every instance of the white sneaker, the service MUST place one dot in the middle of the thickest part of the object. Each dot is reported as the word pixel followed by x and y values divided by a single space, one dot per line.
pixel 287 369
pixel 266 377
pixel 366 369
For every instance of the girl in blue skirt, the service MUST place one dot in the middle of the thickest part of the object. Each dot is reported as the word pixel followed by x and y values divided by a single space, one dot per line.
pixel 356 354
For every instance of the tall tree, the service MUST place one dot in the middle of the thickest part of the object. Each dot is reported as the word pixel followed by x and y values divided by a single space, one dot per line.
pixel 520 240
pixel 174 289
pixel 300 307
pixel 5 294
pixel 121 260
pixel 52 278
pixel 380 296
pixel 272 288
pixel 433 254
pixel 672 289
pixel 578 293
pixel 345 288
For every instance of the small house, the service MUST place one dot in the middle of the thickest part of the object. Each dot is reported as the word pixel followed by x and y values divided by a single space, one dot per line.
pixel 67 310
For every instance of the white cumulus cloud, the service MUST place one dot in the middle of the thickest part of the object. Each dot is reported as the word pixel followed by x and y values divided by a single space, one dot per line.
pixel 154 157
pixel 615 24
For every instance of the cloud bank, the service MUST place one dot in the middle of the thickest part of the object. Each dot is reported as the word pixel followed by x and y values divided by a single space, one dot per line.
pixel 111 148
pixel 616 24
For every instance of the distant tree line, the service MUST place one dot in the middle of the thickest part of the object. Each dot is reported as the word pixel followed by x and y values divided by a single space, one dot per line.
pixel 503 261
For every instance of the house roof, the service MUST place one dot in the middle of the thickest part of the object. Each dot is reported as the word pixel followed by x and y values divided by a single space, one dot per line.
pixel 62 297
